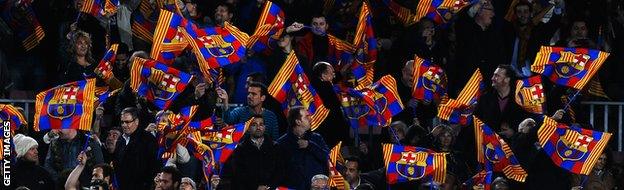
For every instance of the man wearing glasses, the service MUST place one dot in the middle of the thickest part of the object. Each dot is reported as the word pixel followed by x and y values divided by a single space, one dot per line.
pixel 135 153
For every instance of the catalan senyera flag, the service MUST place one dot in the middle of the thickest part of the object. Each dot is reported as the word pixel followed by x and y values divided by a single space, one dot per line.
pixel 110 6
pixel 459 111
pixel 407 163
pixel 530 94
pixel 336 179
pixel 169 39
pixel 224 141
pixel 21 18
pixel 495 154
pixel 144 21
pixel 571 147
pixel 10 113
pixel 269 28
pixel 343 51
pixel 429 80
pixel 373 105
pixel 103 93
pixel 366 42
pixel 157 82
pixel 67 106
pixel 291 87
pixel 481 180
pixel 572 67
pixel 216 46
pixel 105 67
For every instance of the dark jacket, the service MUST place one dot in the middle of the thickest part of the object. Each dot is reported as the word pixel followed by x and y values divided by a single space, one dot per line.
pixel 301 164
pixel 250 166
pixel 135 164
pixel 335 127
pixel 489 112
pixel 28 174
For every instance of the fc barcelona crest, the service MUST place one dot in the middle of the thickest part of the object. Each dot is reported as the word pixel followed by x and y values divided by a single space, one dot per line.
pixel 217 46
pixel 412 165
pixel 573 150
pixel 63 105
pixel 491 153
pixel 571 64
pixel 434 79
pixel 354 108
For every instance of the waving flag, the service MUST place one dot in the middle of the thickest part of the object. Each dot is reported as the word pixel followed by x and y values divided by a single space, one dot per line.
pixel 21 18
pixel 99 8
pixel 103 93
pixel 373 105
pixel 572 67
pixel 366 42
pixel 157 82
pixel 571 147
pixel 440 11
pixel 429 81
pixel 481 180
pixel 335 178
pixel 291 87
pixel 495 153
pixel 10 114
pixel 105 67
pixel 407 163
pixel 530 94
pixel 343 53
pixel 460 111
pixel 224 141
pixel 169 39
pixel 143 21
pixel 67 106
pixel 269 28
pixel 216 46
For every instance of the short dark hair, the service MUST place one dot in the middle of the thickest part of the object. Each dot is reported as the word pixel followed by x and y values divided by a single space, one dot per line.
pixel 263 88
pixel 134 112
pixel 293 114
pixel 107 170
pixel 176 176
pixel 509 72
pixel 257 77
pixel 319 15
pixel 352 159
pixel 524 3
pixel 228 6
pixel 319 68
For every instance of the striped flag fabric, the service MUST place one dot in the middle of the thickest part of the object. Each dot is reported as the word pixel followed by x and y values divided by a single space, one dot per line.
pixel 291 87
pixel 157 82
pixel 495 154
pixel 460 111
pixel 67 106
pixel 269 28
pixel 429 80
pixel 571 147
pixel 571 67
pixel 408 163
pixel 366 42
pixel 21 18
pixel 105 68
pixel 530 94
pixel 169 40
pixel 336 179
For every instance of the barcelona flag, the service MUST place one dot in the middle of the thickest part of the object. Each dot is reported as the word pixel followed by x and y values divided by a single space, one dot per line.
pixel 269 28
pixel 67 106
pixel 366 43
pixel 335 178
pixel 530 94
pixel 143 21
pixel 571 147
pixel 99 8
pixel 460 111
pixel 216 46
pixel 157 82
pixel 169 5
pixel 407 163
pixel 10 114
pixel 103 93
pixel 343 53
pixel 105 67
pixel 572 67
pixel 21 18
pixel 429 80
pixel 440 11
pixel 224 141
pixel 169 39
pixel 372 105
pixel 291 87
pixel 495 153
pixel 481 180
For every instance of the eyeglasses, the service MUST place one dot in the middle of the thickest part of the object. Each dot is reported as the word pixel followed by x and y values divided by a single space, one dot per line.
pixel 128 122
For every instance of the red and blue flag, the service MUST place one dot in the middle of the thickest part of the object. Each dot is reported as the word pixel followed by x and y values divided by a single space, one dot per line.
pixel 105 67
pixel 169 40
pixel 366 45
pixel 429 81
pixel 572 67
pixel 481 180
pixel 495 154
pixel 571 147
pixel 144 21
pixel 157 82
pixel 67 106
pixel 269 28
pixel 21 18
pixel 460 111
pixel 291 87
pixel 408 163
pixel 530 94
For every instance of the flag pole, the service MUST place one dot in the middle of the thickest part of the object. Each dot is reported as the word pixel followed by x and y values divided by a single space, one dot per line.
pixel 571 100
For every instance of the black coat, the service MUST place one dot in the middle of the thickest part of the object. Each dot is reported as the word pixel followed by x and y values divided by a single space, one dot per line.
pixel 28 174
pixel 489 112
pixel 135 164
pixel 250 167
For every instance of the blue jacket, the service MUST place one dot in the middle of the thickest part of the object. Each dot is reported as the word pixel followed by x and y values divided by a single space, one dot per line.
pixel 302 164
